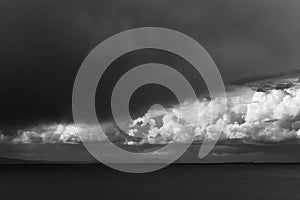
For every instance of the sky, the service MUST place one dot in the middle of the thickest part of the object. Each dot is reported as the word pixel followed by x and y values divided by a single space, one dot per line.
pixel 43 44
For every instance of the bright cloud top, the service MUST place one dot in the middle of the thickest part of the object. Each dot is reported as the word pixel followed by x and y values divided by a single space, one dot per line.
pixel 270 116
pixel 55 133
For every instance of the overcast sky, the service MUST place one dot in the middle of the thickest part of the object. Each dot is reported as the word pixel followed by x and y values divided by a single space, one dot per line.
pixel 43 43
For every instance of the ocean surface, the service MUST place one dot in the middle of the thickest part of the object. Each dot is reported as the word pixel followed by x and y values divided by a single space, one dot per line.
pixel 242 181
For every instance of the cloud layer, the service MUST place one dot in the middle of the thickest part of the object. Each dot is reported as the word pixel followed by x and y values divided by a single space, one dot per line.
pixel 261 116
pixel 270 116
pixel 55 133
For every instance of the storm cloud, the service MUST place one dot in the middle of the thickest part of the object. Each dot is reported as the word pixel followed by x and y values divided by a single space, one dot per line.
pixel 43 44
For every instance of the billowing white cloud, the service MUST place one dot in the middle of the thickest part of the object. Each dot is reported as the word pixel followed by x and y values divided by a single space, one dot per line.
pixel 2 136
pixel 59 133
pixel 270 116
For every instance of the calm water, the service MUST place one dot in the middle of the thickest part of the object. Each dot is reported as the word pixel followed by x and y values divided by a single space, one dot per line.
pixel 174 182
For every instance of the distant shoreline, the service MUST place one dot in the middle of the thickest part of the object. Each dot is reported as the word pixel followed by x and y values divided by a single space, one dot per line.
pixel 53 164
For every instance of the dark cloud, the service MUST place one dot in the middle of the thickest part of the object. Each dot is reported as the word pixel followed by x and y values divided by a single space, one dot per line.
pixel 44 42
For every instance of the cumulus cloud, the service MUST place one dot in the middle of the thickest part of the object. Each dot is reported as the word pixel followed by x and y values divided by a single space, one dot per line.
pixel 271 116
pixel 59 133
pixel 260 116
pixel 2 137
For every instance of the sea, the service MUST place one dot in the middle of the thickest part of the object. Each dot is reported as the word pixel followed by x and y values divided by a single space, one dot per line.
pixel 178 181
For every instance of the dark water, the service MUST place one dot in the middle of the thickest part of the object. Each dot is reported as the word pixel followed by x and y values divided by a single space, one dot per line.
pixel 174 182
